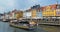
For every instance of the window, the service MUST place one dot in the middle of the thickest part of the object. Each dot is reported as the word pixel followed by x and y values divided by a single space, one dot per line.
pixel 58 6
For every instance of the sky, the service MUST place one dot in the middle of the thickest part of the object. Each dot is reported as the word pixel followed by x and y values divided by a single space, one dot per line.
pixel 9 5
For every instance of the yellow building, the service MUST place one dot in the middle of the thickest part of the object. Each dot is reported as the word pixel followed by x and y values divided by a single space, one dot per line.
pixel 49 13
pixel 33 13
pixel 19 14
pixel 57 12
pixel 48 8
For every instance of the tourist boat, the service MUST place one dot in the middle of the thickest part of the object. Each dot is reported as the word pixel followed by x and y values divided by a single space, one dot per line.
pixel 23 24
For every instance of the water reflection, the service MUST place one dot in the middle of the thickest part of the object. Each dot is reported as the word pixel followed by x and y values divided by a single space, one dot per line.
pixel 36 30
pixel 4 27
pixel 50 28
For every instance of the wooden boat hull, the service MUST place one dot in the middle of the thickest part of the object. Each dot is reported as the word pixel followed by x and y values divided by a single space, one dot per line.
pixel 22 27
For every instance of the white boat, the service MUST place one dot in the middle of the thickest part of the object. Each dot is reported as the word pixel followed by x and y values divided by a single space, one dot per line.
pixel 4 20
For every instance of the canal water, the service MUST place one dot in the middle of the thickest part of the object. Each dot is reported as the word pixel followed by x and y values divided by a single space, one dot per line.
pixel 4 27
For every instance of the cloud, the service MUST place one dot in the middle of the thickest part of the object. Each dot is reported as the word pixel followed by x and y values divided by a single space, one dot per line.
pixel 2 9
pixel 6 5
pixel 9 3
pixel 30 3
pixel 34 1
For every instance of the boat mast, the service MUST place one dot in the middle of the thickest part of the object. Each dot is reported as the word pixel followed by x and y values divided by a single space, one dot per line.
pixel 4 15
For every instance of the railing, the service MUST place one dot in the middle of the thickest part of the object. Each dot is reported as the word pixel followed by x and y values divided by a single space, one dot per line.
pixel 49 21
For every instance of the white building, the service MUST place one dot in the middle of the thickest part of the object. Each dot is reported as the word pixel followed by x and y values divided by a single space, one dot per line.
pixel 27 14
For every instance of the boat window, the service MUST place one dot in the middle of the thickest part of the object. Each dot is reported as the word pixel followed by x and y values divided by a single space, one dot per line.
pixel 24 22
